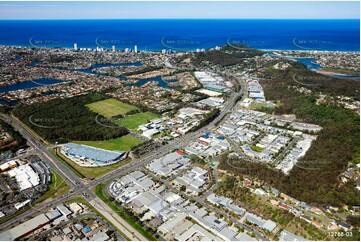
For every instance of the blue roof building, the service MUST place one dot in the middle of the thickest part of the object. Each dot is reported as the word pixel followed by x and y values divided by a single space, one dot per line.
pixel 93 154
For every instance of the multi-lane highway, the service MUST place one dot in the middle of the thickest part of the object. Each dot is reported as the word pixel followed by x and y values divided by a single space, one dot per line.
pixel 79 186
pixel 42 152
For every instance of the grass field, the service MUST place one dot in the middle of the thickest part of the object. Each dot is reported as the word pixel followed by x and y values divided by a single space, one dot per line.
pixel 124 143
pixel 133 121
pixel 110 107
pixel 57 188
pixel 256 148
pixel 87 172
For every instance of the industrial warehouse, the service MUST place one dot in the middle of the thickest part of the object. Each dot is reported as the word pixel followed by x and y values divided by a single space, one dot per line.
pixel 62 216
pixel 88 156
pixel 28 177
pixel 180 121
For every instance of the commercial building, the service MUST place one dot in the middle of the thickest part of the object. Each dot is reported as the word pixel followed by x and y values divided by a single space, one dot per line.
pixel 189 113
pixel 261 223
pixel 25 176
pixel 255 90
pixel 209 92
pixel 25 228
pixel 208 145
pixel 168 164
pixel 22 204
pixel 8 165
pixel 213 81
pixel 195 233
pixel 212 102
pixel 89 156
pixel 194 180
pixel 76 207
pixel 288 236
pixel 53 214
pixel 226 203
pixel 64 210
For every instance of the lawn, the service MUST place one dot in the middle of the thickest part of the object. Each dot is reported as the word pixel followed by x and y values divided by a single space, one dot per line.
pixel 57 188
pixel 133 121
pixel 124 143
pixel 256 148
pixel 110 107
pixel 87 172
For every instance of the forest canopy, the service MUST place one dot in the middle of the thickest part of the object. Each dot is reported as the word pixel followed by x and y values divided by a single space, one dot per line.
pixel 68 119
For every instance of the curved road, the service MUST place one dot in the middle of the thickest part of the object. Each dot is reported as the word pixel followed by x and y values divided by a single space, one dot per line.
pixel 79 186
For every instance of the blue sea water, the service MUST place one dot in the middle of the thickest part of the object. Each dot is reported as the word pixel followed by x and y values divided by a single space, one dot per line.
pixel 331 35
pixel 323 35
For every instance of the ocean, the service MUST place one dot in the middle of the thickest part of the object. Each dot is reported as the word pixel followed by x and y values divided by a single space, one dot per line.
pixel 322 35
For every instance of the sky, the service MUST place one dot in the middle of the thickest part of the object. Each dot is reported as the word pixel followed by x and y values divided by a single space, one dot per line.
pixel 180 10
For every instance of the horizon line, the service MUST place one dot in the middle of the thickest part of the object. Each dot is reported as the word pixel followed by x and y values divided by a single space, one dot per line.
pixel 183 19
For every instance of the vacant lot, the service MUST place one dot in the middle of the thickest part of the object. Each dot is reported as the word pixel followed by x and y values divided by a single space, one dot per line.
pixel 133 121
pixel 124 143
pixel 110 107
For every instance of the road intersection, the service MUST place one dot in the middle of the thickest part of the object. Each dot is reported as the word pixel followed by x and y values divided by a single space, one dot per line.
pixel 82 186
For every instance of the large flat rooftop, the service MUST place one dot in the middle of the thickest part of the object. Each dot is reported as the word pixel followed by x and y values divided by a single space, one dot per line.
pixel 88 152
pixel 21 229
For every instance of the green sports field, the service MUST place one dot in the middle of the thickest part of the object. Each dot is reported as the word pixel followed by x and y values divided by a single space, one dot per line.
pixel 124 143
pixel 110 107
pixel 133 121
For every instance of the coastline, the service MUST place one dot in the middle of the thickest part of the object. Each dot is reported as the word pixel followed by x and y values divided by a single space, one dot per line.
pixel 307 51
pixel 189 50
pixel 292 58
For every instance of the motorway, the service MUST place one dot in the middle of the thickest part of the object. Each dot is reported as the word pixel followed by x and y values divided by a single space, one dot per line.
pixel 76 185
pixel 80 186
pixel 67 175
